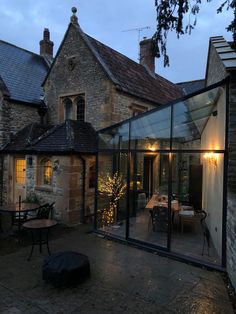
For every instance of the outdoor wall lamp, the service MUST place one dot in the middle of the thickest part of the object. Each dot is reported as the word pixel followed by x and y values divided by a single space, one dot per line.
pixel 212 158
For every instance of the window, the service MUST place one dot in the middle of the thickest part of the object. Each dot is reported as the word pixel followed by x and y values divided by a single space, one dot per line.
pixel 20 171
pixel 80 108
pixel 67 108
pixel 137 109
pixel 45 172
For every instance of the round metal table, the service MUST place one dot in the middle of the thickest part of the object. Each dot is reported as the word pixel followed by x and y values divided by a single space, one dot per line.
pixel 37 227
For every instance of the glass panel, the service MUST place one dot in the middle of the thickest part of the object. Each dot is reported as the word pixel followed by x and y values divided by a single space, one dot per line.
pixel 197 186
pixel 151 131
pixel 68 108
pixel 115 138
pixel 80 108
pixel 199 122
pixel 47 172
pixel 149 198
pixel 20 171
pixel 112 182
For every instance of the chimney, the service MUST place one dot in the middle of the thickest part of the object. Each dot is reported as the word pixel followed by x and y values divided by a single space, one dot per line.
pixel 46 45
pixel 147 54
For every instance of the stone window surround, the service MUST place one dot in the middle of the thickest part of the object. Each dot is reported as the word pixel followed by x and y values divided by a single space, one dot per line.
pixel 40 174
pixel 137 109
pixel 73 97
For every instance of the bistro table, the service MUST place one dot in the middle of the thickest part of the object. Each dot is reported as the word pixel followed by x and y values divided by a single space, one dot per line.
pixel 17 209
pixel 36 228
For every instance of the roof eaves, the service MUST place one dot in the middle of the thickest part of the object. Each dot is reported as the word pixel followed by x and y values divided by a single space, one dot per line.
pixel 126 91
pixel 4 88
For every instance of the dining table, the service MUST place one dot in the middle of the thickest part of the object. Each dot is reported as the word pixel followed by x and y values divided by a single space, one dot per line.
pixel 155 200
pixel 18 210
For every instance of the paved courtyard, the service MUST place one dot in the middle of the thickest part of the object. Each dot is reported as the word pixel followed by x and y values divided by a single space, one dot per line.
pixel 123 280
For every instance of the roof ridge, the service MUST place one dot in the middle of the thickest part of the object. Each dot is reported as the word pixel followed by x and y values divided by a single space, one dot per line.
pixel 28 51
pixel 46 134
pixel 190 81
pixel 70 136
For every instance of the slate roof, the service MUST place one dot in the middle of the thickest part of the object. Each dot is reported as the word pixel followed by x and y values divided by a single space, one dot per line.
pixel 22 73
pixel 22 140
pixel 132 77
pixel 69 136
pixel 191 86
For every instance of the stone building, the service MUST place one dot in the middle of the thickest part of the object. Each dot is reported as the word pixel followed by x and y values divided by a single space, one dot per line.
pixel 88 86
pixel 50 110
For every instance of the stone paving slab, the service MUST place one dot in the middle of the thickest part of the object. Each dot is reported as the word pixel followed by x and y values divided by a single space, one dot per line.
pixel 123 280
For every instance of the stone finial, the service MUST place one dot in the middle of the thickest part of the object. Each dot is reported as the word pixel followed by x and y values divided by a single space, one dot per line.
pixel 74 18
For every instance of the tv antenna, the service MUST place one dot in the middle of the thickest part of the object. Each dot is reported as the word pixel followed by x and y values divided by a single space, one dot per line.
pixel 138 29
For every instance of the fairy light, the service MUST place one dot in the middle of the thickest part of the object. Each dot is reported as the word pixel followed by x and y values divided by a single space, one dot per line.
pixel 113 187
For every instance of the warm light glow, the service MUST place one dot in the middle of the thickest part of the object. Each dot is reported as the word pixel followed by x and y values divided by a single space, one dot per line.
pixel 47 176
pixel 152 148
pixel 113 187
pixel 212 158
pixel 20 171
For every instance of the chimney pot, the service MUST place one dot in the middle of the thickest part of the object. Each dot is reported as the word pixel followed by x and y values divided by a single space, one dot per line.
pixel 147 54
pixel 46 34
pixel 46 45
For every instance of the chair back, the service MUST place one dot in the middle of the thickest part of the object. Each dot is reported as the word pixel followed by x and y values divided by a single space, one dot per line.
pixel 160 217
pixel 160 213
pixel 44 211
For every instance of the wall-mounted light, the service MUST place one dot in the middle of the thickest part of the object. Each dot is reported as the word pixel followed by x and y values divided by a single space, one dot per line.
pixel 29 161
pixel 152 144
pixel 212 158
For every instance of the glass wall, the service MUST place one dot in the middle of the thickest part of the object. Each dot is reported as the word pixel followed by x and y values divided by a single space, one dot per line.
pixel 167 171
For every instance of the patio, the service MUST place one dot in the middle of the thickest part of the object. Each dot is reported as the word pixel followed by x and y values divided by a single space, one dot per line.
pixel 123 280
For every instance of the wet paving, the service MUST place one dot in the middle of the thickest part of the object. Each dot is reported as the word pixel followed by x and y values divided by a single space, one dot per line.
pixel 123 280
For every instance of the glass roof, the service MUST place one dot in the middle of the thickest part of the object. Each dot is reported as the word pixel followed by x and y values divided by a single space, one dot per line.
pixel 181 122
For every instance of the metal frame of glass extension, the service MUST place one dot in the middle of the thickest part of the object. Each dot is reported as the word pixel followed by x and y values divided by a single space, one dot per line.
pixel 128 147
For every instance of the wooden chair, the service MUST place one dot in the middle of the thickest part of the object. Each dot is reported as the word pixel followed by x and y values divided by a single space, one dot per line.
pixel 44 211
pixel 159 218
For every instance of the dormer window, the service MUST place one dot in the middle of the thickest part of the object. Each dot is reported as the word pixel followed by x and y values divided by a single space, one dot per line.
pixel 67 108
pixel 80 108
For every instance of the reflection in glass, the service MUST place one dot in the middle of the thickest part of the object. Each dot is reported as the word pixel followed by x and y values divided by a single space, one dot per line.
pixel 152 130
pixel 196 117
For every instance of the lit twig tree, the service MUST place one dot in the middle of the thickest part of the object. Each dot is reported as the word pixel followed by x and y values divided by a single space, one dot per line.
pixel 113 187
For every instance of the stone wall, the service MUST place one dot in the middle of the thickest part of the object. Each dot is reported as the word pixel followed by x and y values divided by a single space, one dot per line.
pixel 66 189
pixel 104 105
pixel 231 188
pixel 14 117
pixel 217 72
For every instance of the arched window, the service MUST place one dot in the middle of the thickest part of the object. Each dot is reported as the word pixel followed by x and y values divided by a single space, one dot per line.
pixel 46 172
pixel 80 108
pixel 67 108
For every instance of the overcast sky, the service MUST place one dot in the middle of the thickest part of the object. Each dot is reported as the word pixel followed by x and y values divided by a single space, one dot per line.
pixel 22 23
